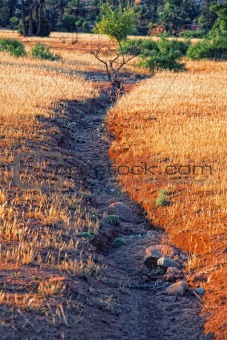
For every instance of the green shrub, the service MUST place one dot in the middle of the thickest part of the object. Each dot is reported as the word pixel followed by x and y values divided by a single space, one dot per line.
pixel 167 45
pixel 140 46
pixel 160 55
pixel 193 34
pixel 215 49
pixel 13 47
pixel 42 52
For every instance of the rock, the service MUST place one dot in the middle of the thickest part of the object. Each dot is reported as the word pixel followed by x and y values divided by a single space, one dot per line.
pixel 169 251
pixel 81 139
pixel 158 282
pixel 104 199
pixel 124 212
pixel 199 277
pixel 168 298
pixel 152 254
pixel 156 251
pixel 91 181
pixel 178 260
pixel 200 291
pixel 173 274
pixel 183 257
pixel 167 262
pixel 177 289
pixel 103 238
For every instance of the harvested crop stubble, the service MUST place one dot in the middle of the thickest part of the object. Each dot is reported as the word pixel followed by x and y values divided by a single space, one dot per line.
pixel 185 127
pixel 39 230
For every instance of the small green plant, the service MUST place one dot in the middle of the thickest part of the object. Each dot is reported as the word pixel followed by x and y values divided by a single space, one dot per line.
pixel 113 220
pixel 163 192
pixel 162 198
pixel 13 47
pixel 118 241
pixel 42 52
pixel 94 218
pixel 14 23
pixel 86 234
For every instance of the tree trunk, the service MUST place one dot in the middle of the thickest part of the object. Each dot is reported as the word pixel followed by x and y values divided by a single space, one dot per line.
pixel 30 31
pixel 23 18
pixel 36 14
pixel 40 17
pixel 61 13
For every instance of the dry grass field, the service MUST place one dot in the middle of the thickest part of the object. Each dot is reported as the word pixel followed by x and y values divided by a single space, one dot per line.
pixel 177 124
pixel 174 123
pixel 39 236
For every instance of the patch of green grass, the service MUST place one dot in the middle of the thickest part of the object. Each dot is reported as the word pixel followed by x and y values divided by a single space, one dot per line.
pixel 86 234
pixel 162 199
pixel 113 220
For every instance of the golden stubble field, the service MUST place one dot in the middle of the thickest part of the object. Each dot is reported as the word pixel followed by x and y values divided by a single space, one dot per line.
pixel 168 120
pixel 39 244
pixel 177 124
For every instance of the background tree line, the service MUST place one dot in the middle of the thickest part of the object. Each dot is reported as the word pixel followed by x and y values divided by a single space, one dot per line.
pixel 39 17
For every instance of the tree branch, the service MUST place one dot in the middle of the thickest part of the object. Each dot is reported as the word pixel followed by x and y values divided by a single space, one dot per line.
pixel 96 55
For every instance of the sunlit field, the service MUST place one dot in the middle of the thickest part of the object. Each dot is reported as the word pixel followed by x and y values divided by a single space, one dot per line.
pixel 176 124
pixel 169 150
pixel 39 234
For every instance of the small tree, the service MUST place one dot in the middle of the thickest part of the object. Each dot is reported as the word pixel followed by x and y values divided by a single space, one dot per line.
pixel 117 24
pixel 14 23
pixel 220 26
pixel 172 16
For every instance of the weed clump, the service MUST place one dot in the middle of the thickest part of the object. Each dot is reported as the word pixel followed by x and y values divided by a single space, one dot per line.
pixel 43 52
pixel 162 199
pixel 113 220
pixel 13 47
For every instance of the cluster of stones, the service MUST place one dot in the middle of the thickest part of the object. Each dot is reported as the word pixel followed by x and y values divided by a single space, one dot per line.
pixel 172 261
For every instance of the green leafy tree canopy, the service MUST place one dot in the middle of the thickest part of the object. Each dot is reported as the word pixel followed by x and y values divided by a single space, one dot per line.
pixel 117 24
pixel 220 26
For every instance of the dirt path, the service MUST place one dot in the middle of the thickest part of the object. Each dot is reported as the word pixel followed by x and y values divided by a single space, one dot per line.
pixel 139 309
